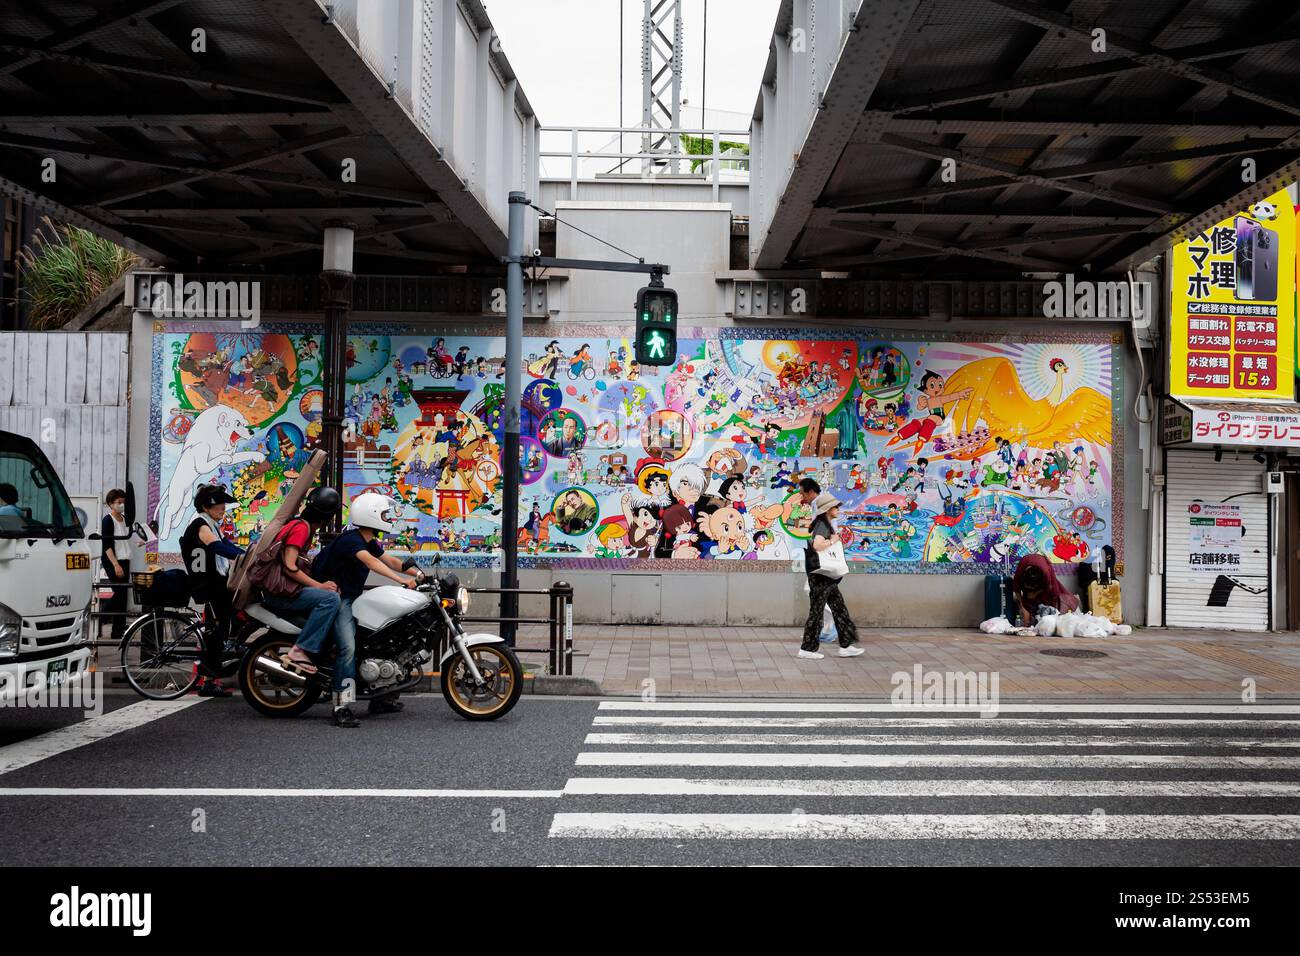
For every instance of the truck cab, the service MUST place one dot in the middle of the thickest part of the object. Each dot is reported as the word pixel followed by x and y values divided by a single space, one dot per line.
pixel 45 576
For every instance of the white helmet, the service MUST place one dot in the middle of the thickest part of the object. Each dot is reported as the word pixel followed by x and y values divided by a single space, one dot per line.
pixel 372 510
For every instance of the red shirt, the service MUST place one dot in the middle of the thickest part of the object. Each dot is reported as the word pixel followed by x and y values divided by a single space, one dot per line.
pixel 296 534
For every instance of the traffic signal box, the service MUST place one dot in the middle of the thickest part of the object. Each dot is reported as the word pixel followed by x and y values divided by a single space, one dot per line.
pixel 656 326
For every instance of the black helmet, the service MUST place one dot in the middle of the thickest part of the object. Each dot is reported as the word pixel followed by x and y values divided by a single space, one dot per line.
pixel 209 495
pixel 321 505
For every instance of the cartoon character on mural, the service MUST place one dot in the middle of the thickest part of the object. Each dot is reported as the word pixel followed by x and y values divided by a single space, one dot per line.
pixel 209 444
pixel 949 454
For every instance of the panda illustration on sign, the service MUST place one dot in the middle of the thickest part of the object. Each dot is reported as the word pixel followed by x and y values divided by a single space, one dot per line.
pixel 209 444
pixel 1264 211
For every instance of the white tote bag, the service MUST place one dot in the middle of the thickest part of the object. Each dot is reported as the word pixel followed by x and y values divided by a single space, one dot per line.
pixel 831 562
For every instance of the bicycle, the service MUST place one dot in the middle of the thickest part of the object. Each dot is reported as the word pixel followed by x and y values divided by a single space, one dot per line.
pixel 581 370
pixel 162 649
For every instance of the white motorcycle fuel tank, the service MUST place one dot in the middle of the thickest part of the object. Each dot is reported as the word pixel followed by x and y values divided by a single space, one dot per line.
pixel 381 606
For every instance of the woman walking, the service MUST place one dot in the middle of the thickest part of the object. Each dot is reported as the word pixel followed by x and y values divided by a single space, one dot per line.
pixel 824 562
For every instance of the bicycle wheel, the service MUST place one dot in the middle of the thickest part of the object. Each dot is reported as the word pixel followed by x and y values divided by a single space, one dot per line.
pixel 161 651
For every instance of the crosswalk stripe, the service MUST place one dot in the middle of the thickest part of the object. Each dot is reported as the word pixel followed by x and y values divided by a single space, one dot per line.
pixel 731 787
pixel 1117 761
pixel 834 707
pixel 942 723
pixel 909 740
pixel 927 826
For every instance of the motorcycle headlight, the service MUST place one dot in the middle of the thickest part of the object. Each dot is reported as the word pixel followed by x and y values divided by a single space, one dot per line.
pixel 448 585
pixel 11 625
pixel 462 600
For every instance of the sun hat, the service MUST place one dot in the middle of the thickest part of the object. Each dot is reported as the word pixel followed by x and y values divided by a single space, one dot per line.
pixel 824 503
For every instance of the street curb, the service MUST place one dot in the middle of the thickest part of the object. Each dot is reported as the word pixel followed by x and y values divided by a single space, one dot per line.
pixel 556 685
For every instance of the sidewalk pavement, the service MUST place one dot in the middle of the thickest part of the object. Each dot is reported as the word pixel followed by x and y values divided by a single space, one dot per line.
pixel 745 661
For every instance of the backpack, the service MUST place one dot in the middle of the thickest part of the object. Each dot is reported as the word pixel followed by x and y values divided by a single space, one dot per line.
pixel 265 569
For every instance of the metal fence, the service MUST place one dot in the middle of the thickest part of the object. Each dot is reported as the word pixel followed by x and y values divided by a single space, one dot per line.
pixel 633 152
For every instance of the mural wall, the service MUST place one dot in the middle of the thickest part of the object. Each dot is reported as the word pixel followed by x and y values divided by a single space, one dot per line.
pixel 950 455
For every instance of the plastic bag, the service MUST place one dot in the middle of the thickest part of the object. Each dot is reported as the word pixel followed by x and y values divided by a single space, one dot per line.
pixel 997 625
pixel 1047 625
pixel 830 633
pixel 1066 624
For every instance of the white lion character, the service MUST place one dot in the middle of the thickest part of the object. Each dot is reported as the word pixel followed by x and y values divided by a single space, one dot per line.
pixel 209 445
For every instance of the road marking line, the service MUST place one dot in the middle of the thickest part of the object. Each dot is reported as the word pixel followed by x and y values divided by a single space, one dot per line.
pixel 731 787
pixel 831 707
pixel 670 759
pixel 24 753
pixel 910 740
pixel 269 792
pixel 940 723
pixel 926 826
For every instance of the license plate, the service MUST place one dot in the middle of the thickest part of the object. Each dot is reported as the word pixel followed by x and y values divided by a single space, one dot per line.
pixel 78 562
pixel 56 673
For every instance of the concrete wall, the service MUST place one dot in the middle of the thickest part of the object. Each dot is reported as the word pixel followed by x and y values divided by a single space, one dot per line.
pixel 694 239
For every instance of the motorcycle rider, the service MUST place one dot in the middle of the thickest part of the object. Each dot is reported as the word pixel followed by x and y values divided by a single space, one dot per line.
pixel 318 600
pixel 207 555
pixel 347 562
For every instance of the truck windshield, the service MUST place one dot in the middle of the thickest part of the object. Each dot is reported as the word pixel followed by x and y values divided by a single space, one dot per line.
pixel 33 503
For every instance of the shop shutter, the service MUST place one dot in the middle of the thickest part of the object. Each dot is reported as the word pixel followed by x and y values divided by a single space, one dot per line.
pixel 1190 597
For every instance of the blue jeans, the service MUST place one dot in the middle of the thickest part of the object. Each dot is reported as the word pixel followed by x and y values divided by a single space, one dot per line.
pixel 320 606
pixel 345 639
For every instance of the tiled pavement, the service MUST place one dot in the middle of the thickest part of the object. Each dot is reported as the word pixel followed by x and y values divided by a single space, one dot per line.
pixel 748 661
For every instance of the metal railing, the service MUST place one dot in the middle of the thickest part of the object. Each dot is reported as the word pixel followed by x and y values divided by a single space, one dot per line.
pixel 559 621
pixel 598 152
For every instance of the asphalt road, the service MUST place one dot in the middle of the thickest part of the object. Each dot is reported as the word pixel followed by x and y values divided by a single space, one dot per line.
pixel 578 781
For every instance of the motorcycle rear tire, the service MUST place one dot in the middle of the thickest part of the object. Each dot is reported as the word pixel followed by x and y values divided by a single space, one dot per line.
pixel 256 695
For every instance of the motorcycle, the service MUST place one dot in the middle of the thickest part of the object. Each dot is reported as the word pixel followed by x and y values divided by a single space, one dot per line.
pixel 399 630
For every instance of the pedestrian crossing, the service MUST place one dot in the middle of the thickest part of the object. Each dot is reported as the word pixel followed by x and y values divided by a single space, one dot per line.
pixel 785 770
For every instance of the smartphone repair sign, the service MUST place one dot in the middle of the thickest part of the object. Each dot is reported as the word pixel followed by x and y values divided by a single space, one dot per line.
pixel 1232 319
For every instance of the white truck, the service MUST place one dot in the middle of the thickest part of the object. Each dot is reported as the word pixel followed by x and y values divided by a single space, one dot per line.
pixel 45 576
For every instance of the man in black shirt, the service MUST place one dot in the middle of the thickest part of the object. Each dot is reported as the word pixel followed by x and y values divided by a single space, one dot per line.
pixel 347 562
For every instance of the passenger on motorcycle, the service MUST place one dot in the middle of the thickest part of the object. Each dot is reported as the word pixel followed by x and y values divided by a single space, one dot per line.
pixel 316 599
pixel 207 555
pixel 347 562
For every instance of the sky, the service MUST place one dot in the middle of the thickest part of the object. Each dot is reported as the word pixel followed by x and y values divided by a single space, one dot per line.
pixel 566 55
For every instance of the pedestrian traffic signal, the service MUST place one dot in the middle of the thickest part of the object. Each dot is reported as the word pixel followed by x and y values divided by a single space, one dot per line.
pixel 656 326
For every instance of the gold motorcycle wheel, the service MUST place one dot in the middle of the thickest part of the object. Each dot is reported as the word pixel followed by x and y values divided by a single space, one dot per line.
pixel 502 682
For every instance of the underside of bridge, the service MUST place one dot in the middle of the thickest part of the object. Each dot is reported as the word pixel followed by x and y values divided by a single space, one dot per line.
pixel 225 133
pixel 961 137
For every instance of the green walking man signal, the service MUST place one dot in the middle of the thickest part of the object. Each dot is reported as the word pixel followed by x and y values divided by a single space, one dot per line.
pixel 656 326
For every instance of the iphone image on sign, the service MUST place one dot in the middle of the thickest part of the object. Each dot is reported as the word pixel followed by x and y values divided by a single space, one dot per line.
pixel 1256 260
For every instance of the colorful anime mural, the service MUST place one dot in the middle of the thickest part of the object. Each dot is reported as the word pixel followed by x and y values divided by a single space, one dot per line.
pixel 949 454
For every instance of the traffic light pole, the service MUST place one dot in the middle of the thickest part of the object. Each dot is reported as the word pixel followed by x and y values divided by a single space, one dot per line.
pixel 514 261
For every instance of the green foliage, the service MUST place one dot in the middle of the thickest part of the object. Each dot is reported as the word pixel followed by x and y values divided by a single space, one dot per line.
pixel 65 268
pixel 703 146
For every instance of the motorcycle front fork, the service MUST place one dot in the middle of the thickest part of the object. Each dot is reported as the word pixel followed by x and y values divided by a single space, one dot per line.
pixel 458 638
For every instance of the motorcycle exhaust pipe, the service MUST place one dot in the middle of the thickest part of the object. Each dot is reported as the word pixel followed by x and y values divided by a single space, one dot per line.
pixel 269 665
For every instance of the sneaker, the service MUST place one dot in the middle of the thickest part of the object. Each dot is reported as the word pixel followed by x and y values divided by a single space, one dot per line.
pixel 385 705
pixel 811 655
pixel 214 688
pixel 851 651
pixel 343 717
